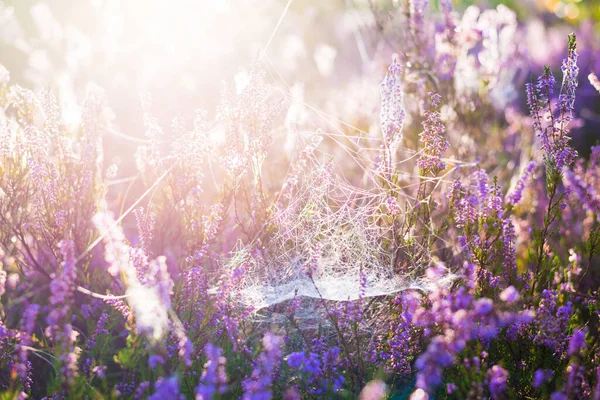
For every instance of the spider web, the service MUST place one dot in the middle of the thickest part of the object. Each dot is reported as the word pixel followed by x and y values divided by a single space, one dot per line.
pixel 327 245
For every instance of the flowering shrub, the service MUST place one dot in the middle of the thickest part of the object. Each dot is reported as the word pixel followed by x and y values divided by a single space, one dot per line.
pixel 444 246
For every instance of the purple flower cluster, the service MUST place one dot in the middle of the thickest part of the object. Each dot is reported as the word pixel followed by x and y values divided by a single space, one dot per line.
pixel 258 385
pixel 59 328
pixel 460 317
pixel 214 379
pixel 392 110
pixel 320 371
pixel 554 139
pixel 497 377
pixel 434 141
pixel 586 194
pixel 553 319
pixel 517 193
pixel 100 330
pixel 166 388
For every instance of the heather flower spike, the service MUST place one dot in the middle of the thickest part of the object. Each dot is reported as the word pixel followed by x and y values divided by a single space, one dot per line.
pixel 392 108
pixel 433 139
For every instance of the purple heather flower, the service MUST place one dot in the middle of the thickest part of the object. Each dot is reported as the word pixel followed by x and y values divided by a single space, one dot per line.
pixel 586 194
pixel 100 330
pixel 430 364
pixel 213 380
pixel 29 317
pixel 509 295
pixel 184 344
pixel 597 388
pixel 558 396
pixel 155 360
pixel 553 323
pixel 554 140
pixel 392 206
pixel 481 181
pixel 450 388
pixel 99 371
pixel 484 306
pixel 434 142
pixel 545 84
pixel 21 363
pixel 445 62
pixel 319 368
pixel 145 224
pixel 86 311
pixel 295 360
pixel 126 388
pixel 61 332
pixel 570 71
pixel 392 111
pixel 258 385
pixel 541 376
pixel 166 388
pixel 495 200
pixel 417 14
pixel 534 107
pixel 517 193
pixel 577 342
pixel 62 286
pixel 509 261
pixel 119 305
pixel 497 377
pixel 141 390
pixel 312 364
pixel 312 265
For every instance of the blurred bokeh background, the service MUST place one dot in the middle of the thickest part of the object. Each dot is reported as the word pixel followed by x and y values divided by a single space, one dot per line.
pixel 189 47
pixel 330 54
